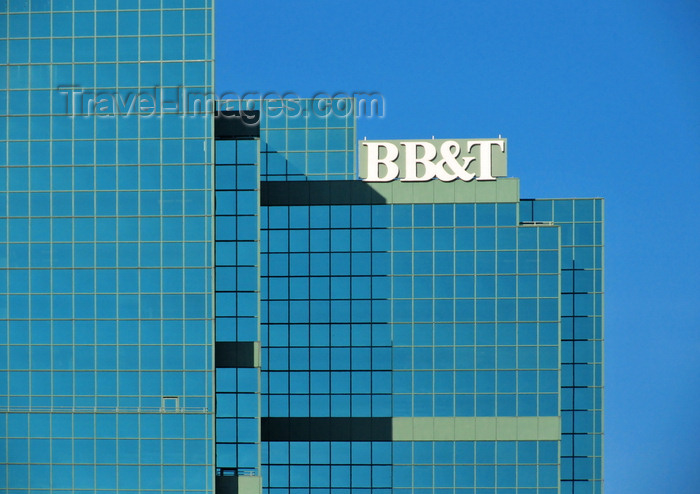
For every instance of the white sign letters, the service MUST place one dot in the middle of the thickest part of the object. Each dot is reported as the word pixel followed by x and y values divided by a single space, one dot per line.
pixel 444 160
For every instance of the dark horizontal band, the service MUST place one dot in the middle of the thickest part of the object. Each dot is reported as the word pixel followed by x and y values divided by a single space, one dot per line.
pixel 326 429
pixel 237 124
pixel 318 193
pixel 227 485
pixel 235 354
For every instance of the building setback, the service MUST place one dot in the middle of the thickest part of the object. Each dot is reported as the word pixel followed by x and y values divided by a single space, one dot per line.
pixel 195 301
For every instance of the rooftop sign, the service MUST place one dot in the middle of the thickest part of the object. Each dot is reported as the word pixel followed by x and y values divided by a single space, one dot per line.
pixel 443 159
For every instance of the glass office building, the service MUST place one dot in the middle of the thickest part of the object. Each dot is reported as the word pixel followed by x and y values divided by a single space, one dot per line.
pixel 107 306
pixel 199 300
pixel 423 337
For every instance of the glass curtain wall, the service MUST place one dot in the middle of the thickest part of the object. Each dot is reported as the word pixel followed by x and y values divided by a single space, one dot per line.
pixel 106 246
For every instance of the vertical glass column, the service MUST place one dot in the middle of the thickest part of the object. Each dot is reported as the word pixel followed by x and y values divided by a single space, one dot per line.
pixel 237 308
pixel 581 223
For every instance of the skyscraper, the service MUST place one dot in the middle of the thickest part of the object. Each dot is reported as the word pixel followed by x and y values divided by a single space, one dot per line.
pixel 107 306
pixel 234 300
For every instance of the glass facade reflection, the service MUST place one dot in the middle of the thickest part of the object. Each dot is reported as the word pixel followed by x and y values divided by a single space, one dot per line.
pixel 198 299
pixel 106 310
pixel 468 325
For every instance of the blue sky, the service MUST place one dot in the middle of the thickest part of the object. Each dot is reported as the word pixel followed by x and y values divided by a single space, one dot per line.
pixel 596 99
